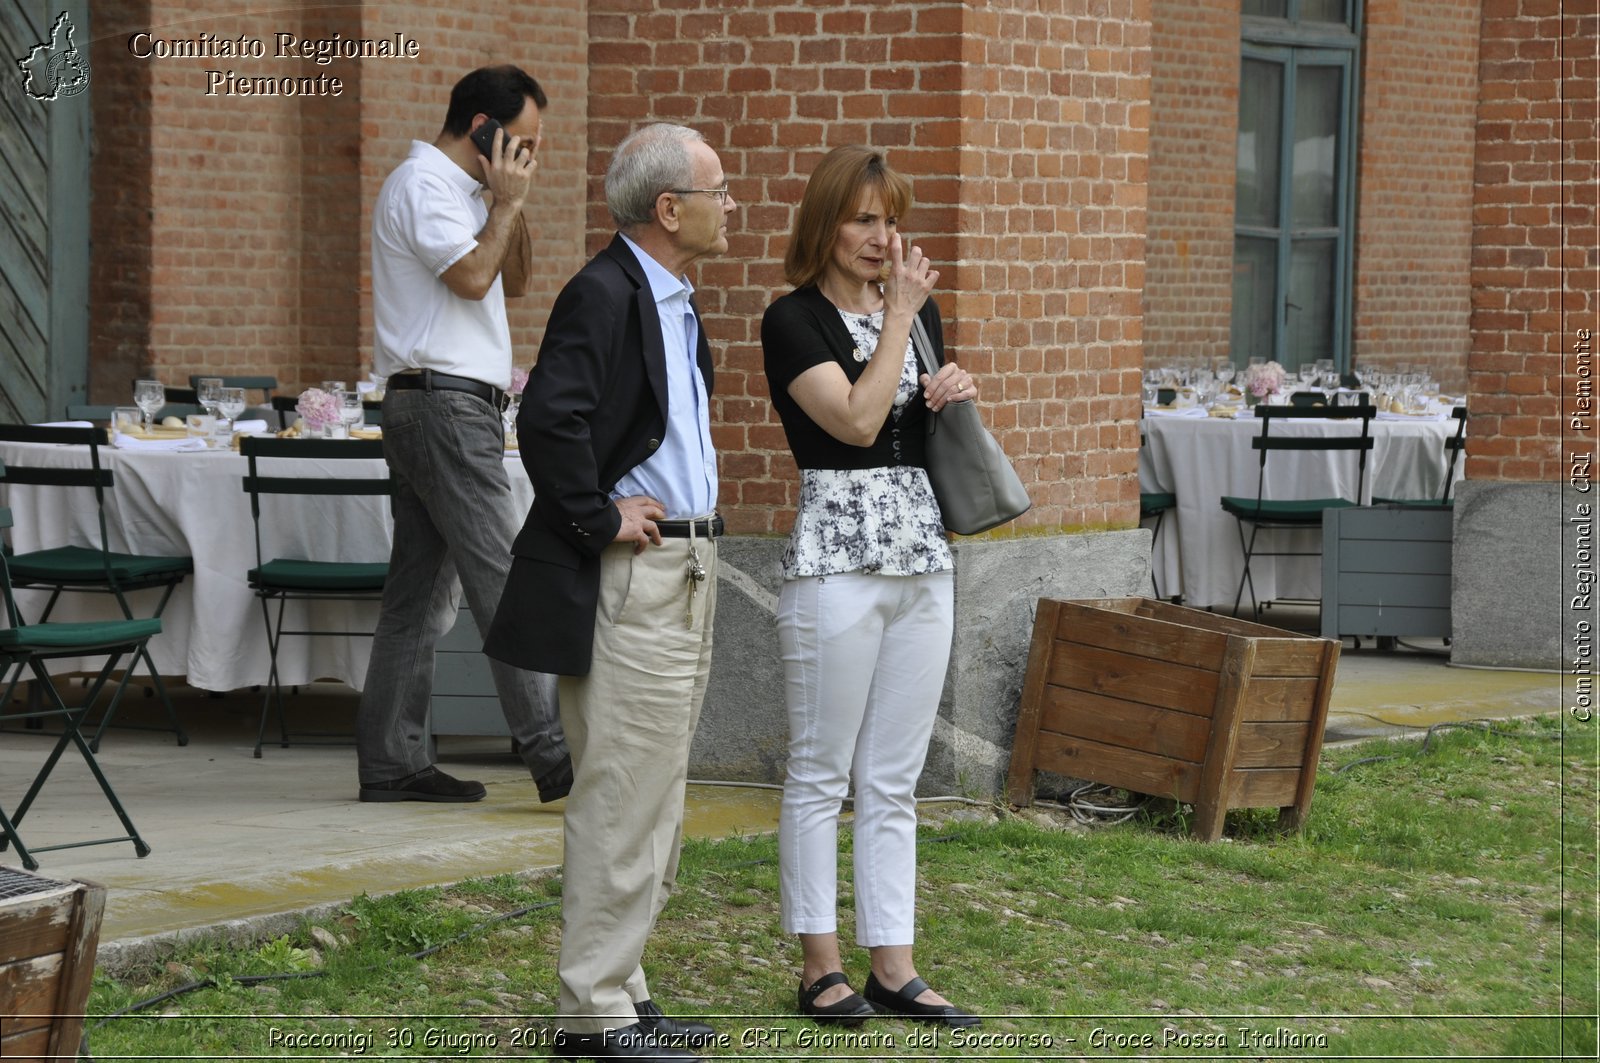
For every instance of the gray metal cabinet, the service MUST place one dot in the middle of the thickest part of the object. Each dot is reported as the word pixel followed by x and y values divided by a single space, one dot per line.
pixel 1386 571
pixel 464 698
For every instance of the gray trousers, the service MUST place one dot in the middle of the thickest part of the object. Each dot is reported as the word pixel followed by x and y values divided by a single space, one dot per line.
pixel 453 526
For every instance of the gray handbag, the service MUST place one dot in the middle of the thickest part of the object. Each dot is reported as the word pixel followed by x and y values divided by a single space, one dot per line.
pixel 973 481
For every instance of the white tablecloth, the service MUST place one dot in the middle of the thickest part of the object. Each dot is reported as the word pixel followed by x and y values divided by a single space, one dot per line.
pixel 1202 459
pixel 195 504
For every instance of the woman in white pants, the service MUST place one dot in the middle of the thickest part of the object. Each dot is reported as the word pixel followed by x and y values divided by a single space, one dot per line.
pixel 865 617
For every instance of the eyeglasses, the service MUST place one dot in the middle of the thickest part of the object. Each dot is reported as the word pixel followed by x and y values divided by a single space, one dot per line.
pixel 720 193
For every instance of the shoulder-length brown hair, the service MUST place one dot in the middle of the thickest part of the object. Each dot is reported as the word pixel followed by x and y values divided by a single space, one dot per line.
pixel 831 196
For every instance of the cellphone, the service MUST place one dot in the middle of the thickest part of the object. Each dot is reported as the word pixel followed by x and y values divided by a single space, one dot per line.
pixel 483 137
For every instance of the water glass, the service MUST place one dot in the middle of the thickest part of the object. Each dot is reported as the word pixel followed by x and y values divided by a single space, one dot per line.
pixel 335 430
pixel 202 426
pixel 126 420
pixel 350 409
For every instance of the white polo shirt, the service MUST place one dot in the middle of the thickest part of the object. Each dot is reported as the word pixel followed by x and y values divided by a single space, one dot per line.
pixel 428 215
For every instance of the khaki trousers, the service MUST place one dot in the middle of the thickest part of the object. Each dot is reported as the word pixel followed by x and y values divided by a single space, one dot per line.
pixel 629 723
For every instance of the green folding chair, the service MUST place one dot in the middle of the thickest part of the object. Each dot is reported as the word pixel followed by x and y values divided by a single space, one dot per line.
pixel 285 579
pixel 1263 514
pixel 94 568
pixel 29 646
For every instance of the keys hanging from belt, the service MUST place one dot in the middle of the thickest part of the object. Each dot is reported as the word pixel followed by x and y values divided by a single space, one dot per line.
pixel 695 574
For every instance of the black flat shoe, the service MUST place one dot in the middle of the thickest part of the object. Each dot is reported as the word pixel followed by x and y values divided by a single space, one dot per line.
pixel 903 1002
pixel 673 1031
pixel 429 784
pixel 851 1011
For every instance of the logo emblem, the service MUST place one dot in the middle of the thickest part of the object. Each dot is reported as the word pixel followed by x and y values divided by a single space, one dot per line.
pixel 55 68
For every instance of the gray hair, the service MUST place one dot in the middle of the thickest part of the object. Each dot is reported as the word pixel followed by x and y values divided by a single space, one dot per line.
pixel 649 161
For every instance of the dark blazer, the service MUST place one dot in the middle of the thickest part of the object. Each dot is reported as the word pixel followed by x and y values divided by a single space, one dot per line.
pixel 595 406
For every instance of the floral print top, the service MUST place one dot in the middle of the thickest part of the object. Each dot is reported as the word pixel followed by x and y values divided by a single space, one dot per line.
pixel 883 520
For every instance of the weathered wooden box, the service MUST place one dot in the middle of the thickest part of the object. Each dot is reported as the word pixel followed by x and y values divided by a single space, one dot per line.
pixel 1174 702
pixel 48 935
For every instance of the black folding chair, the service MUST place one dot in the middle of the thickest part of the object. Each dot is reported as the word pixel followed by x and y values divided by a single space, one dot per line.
pixel 1155 504
pixel 282 579
pixel 1262 513
pixel 94 568
pixel 1454 445
pixel 29 646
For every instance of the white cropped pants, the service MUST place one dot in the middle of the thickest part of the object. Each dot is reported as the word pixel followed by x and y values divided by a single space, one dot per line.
pixel 864 662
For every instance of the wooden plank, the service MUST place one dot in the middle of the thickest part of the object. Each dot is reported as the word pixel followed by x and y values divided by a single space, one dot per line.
pixel 1414 590
pixel 1271 745
pixel 1280 700
pixel 1142 636
pixel 26 1042
pixel 1079 758
pixel 30 987
pixel 1130 678
pixel 36 924
pixel 1208 621
pixel 1295 817
pixel 1288 657
pixel 78 971
pixel 1374 555
pixel 1146 728
pixel 1211 805
pixel 1025 740
pixel 1263 787
pixel 1389 620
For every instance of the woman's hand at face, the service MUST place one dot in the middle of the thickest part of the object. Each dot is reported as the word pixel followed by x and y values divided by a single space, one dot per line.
pixel 911 278
pixel 952 384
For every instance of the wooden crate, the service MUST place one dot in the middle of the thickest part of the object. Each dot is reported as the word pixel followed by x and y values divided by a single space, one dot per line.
pixel 48 935
pixel 1160 699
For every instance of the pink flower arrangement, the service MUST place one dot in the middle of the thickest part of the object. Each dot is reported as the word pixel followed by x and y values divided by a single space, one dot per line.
pixel 1263 380
pixel 317 408
pixel 519 380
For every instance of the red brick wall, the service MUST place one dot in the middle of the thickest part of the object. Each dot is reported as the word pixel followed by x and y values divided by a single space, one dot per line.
pixel 1534 239
pixel 1414 213
pixel 1024 131
pixel 235 237
pixel 1194 122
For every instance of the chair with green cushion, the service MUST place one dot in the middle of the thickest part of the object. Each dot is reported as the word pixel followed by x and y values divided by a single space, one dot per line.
pixel 1155 504
pixel 92 568
pixel 1267 514
pixel 1454 445
pixel 286 579
pixel 29 646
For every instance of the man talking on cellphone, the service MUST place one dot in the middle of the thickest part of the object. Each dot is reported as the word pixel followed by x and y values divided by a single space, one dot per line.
pixel 443 262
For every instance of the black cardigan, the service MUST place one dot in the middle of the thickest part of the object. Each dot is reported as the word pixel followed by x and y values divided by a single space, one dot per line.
pixel 803 329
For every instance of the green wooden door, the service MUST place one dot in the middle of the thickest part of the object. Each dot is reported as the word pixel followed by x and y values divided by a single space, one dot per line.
pixel 44 207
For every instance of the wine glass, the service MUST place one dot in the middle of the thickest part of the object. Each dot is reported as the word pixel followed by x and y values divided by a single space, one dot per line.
pixel 230 403
pixel 332 387
pixel 206 393
pixel 1308 375
pixel 1225 371
pixel 149 396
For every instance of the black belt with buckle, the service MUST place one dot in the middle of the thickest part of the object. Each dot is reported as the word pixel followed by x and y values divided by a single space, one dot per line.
pixel 704 528
pixel 429 380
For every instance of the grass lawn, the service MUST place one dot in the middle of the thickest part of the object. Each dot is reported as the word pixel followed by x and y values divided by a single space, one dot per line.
pixel 1440 904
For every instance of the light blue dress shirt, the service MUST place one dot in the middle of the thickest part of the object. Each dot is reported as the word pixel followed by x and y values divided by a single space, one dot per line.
pixel 682 473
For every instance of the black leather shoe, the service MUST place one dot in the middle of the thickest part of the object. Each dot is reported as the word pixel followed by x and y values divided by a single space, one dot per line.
pixel 851 1011
pixel 673 1031
pixel 625 1042
pixel 429 784
pixel 903 1002
pixel 556 783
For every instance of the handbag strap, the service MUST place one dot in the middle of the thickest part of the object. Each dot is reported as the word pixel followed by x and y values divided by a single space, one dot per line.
pixel 924 346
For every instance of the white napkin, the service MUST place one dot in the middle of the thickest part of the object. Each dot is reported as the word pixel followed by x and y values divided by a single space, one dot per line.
pixel 1182 411
pixel 127 442
pixel 1431 415
pixel 250 428
pixel 63 424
